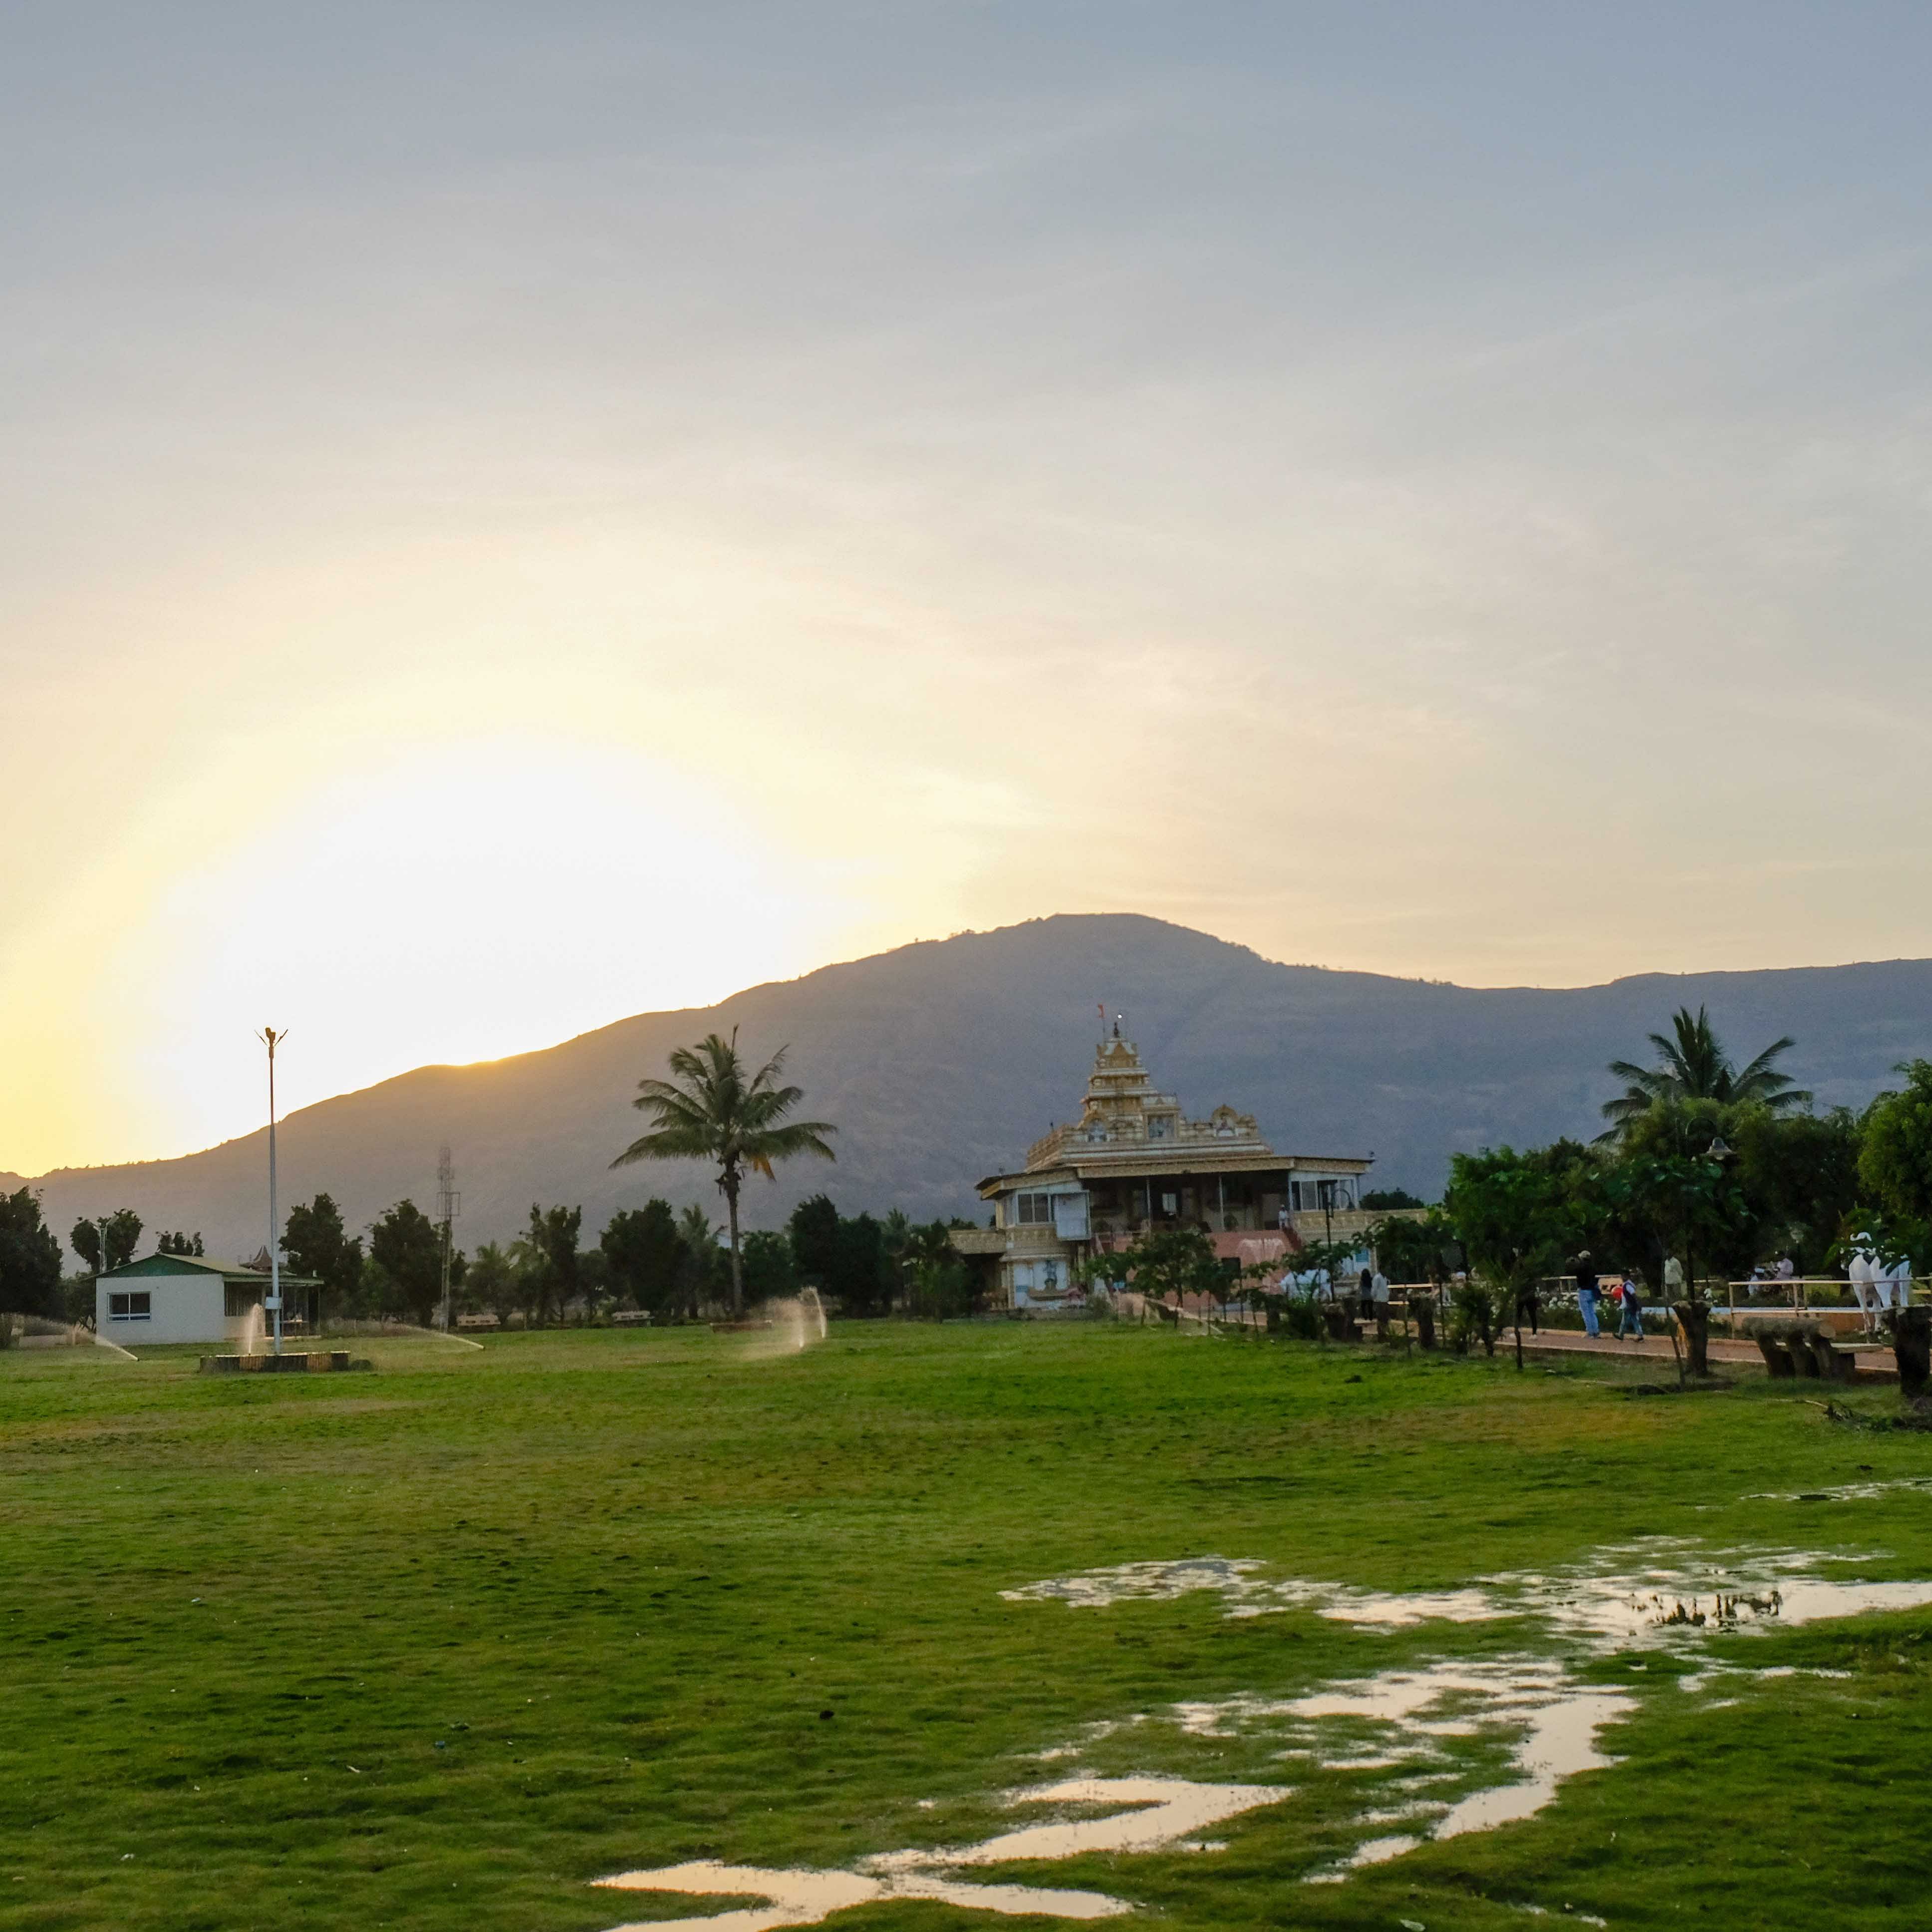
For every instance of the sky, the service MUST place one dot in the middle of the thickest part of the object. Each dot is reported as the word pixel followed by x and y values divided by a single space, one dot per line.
pixel 512 517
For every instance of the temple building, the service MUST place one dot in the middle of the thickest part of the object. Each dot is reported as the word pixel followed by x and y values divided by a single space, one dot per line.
pixel 1133 1161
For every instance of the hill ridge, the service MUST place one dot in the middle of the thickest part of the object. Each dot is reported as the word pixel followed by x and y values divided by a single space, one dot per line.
pixel 942 1060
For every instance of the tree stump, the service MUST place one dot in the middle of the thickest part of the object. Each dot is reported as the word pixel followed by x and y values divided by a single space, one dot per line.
pixel 1422 1318
pixel 1343 1326
pixel 1777 1358
pixel 1694 1318
pixel 1911 1348
pixel 1802 1359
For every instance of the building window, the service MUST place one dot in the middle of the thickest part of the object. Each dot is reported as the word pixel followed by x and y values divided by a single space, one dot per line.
pixel 1032 1210
pixel 1050 1277
pixel 1160 1126
pixel 1311 1197
pixel 130 1305
pixel 238 1297
pixel 1169 1205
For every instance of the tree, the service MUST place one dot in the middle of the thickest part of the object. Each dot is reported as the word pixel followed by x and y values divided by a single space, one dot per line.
pixel 1383 1198
pixel 1895 1149
pixel 1177 1261
pixel 593 1280
pixel 1693 1065
pixel 492 1281
pixel 939 1283
pixel 814 1230
pixel 1675 1195
pixel 895 1249
pixel 1334 1259
pixel 549 1257
pixel 1800 1176
pixel 861 1276
pixel 769 1274
pixel 123 1236
pixel 315 1243
pixel 1407 1250
pixel 30 1258
pixel 178 1244
pixel 553 1235
pixel 709 1110
pixel 1518 1216
pixel 698 1272
pixel 644 1253
pixel 406 1247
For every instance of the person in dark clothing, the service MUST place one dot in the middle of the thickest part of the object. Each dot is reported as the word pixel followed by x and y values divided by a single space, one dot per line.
pixel 1586 1292
pixel 1527 1306
pixel 1630 1302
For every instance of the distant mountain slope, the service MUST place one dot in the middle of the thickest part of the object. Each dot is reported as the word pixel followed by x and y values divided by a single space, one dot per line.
pixel 941 1061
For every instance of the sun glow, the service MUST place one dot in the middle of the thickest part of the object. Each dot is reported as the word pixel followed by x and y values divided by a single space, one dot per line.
pixel 468 900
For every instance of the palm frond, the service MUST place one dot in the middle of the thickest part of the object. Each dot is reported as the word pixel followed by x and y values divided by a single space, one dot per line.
pixel 1692 1065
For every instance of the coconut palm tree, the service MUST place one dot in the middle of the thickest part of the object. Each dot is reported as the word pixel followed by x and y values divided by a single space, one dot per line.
pixel 698 1267
pixel 1693 1065
pixel 710 1109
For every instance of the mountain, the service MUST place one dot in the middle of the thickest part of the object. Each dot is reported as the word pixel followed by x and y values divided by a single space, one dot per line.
pixel 940 1062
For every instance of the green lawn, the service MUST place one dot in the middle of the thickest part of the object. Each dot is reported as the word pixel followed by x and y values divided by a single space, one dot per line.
pixel 436 1647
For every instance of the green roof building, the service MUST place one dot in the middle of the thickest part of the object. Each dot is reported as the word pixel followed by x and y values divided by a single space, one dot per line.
pixel 189 1298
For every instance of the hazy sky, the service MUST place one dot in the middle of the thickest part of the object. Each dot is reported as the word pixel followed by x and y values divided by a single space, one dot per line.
pixel 512 515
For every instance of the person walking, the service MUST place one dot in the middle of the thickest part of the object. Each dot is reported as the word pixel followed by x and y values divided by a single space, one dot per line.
pixel 1378 1301
pixel 1528 1303
pixel 1630 1321
pixel 1586 1292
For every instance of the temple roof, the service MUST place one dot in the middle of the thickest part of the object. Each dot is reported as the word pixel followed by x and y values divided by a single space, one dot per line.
pixel 1128 1127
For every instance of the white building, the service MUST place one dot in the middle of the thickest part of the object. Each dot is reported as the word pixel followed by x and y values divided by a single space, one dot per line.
pixel 186 1298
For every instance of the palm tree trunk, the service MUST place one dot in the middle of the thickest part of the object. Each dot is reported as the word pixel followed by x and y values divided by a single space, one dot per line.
pixel 737 1272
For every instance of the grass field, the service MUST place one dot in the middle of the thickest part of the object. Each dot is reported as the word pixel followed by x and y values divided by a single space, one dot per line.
pixel 436 1647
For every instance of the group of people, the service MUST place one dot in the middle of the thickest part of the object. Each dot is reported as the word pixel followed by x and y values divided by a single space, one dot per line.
pixel 1625 1293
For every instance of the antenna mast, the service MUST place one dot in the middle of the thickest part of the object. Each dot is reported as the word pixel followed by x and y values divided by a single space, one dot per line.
pixel 449 1205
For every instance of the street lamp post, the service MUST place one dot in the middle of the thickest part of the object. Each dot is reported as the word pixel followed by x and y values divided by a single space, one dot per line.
pixel 272 1038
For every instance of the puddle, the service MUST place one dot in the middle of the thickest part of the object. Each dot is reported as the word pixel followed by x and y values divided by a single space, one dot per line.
pixel 1163 1812
pixel 1447 1748
pixel 1549 1721
pixel 1657 1591
pixel 1842 1492
pixel 1147 1582
pixel 1168 1809
pixel 1377 1851
pixel 809 1897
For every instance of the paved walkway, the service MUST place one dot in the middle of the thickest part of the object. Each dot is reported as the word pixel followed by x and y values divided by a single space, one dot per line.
pixel 1876 1362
